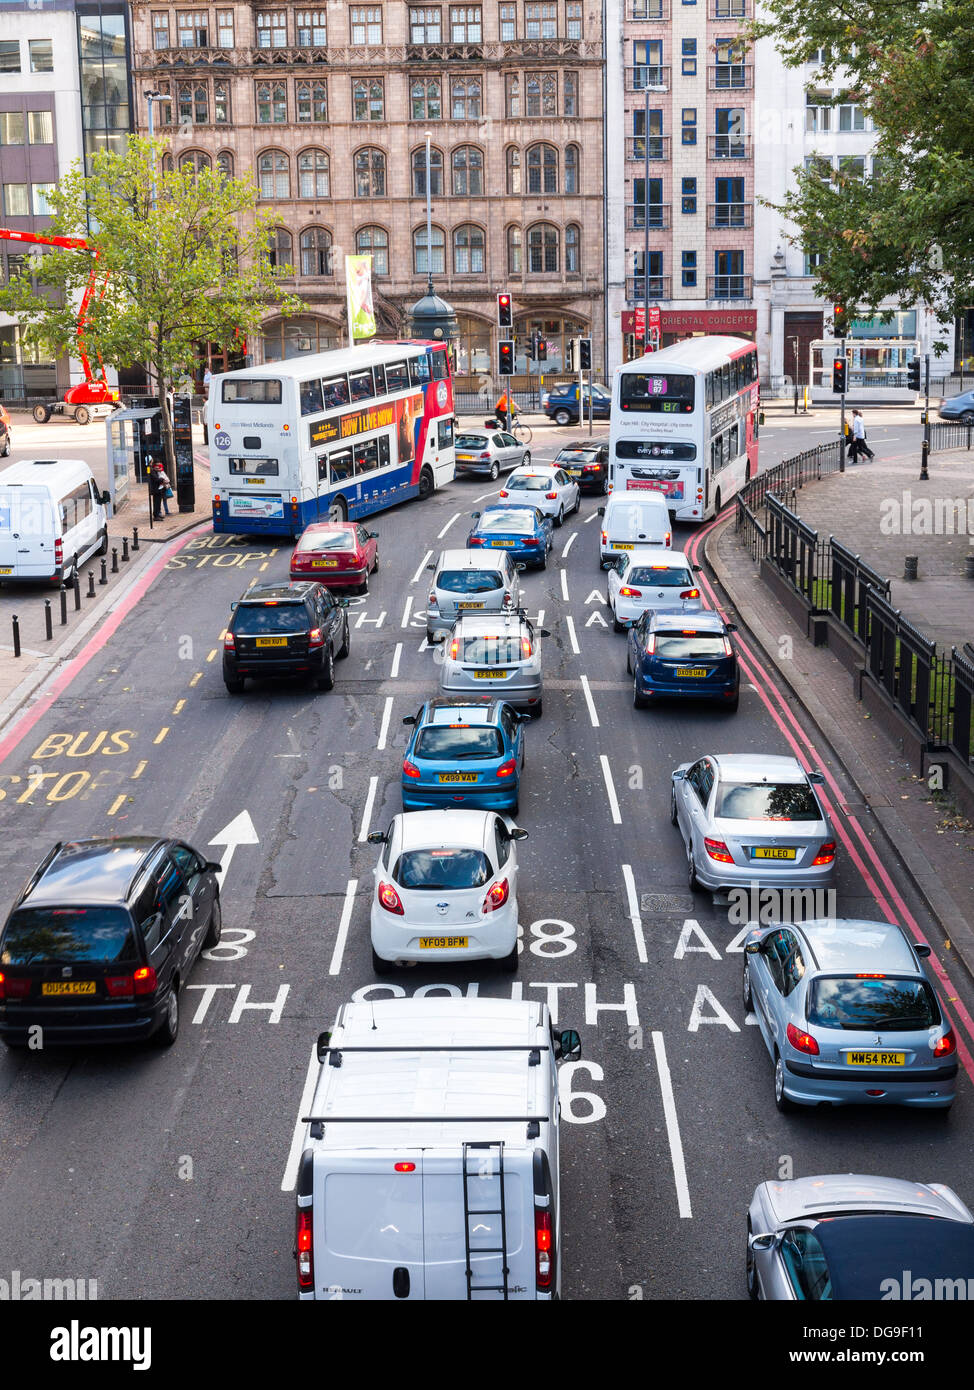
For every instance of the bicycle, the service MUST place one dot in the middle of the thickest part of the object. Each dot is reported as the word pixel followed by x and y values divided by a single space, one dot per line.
pixel 522 433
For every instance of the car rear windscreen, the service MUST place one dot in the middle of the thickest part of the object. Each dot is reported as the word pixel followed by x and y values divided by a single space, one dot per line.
pixel 513 520
pixel 469 581
pixel 27 511
pixel 326 540
pixel 471 441
pixel 529 484
pixel 440 869
pixel 887 1005
pixel 578 456
pixel 767 801
pixel 664 577
pixel 254 619
pixel 440 742
pixel 56 935
pixel 491 651
pixel 680 647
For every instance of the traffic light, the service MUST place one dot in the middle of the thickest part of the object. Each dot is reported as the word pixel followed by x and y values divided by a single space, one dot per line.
pixel 505 357
pixel 913 375
pixel 535 337
pixel 839 324
pixel 504 311
pixel 839 375
pixel 570 355
pixel 541 355
pixel 585 354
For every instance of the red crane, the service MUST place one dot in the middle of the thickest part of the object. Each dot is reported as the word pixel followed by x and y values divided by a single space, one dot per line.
pixel 93 396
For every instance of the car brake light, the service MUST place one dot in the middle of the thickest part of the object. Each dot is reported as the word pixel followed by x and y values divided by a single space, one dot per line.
pixel 718 850
pixel 507 597
pixel 542 1248
pixel 689 593
pixel 497 896
pixel 802 1042
pixel 145 980
pixel 551 496
pixel 476 540
pixel 531 540
pixel 432 598
pixel 945 1045
pixel 507 769
pixel 626 592
pixel 483 457
pixel 58 552
pixel 651 644
pixel 304 1249
pixel 668 538
pixel 410 769
pixel 389 899
pixel 316 637
pixel 826 853
pixel 229 645
pixel 117 986
pixel 503 493
pixel 454 649
pixel 525 646
pixel 591 468
pixel 863 975
pixel 405 1167
pixel 13 989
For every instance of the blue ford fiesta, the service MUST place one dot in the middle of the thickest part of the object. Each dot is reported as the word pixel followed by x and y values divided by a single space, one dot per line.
pixel 525 531
pixel 682 655
pixel 464 753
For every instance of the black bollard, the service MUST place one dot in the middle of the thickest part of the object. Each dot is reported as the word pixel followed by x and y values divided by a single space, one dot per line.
pixel 91 584
pixel 76 585
pixel 16 627
pixel 104 572
pixel 48 624
pixel 135 538
pixel 125 548
pixel 64 605
pixel 114 560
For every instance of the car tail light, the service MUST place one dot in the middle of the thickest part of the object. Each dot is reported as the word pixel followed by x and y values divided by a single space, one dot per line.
pixel 863 975
pixel 454 649
pixel 484 458
pixel 300 562
pixel 475 540
pixel 118 986
pixel 543 1267
pixel 605 538
pixel 551 496
pixel 507 598
pixel 316 637
pixel 728 650
pixel 945 1045
pixel 507 769
pixel 432 598
pixel 389 899
pixel 229 645
pixel 503 493
pixel 802 1042
pixel 626 592
pixel 651 644
pixel 689 593
pixel 497 896
pixel 13 989
pixel 525 646
pixel 826 853
pixel 531 540
pixel 404 1167
pixel 718 850
pixel 304 1249
pixel 591 468
pixel 145 980
pixel 410 769
pixel 668 538
pixel 59 553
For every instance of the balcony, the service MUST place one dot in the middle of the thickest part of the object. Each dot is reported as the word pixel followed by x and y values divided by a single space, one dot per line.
pixel 648 79
pixel 729 147
pixel 722 77
pixel 658 216
pixel 659 288
pixel 730 214
pixel 637 153
pixel 730 9
pixel 726 287
pixel 647 9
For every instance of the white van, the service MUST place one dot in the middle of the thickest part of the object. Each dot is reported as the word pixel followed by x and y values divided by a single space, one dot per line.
pixel 52 518
pixel 430 1166
pixel 629 523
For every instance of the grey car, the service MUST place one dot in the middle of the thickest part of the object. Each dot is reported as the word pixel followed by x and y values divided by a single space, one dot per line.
pixel 847 1236
pixel 752 819
pixel 848 1015
pixel 500 653
pixel 485 453
pixel 465 581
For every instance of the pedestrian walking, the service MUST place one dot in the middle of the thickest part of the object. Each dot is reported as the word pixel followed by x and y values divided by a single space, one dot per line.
pixel 859 445
pixel 207 377
pixel 160 491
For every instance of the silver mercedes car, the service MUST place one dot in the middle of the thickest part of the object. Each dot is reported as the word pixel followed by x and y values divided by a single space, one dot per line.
pixel 499 652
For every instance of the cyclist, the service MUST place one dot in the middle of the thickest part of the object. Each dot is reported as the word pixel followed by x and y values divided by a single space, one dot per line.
pixel 506 411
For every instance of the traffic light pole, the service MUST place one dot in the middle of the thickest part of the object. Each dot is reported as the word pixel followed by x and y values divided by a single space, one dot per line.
pixel 925 446
pixel 842 412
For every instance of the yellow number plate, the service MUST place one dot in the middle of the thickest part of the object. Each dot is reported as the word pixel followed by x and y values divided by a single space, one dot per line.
pixel 443 943
pixel 502 542
pixel 876 1059
pixel 456 777
pixel 69 987
pixel 272 641
pixel 772 852
pixel 490 675
pixel 621 545
pixel 323 564
pixel 470 605
pixel 6 569
pixel 690 671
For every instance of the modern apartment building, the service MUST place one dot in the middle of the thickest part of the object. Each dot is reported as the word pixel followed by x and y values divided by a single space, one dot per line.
pixel 328 109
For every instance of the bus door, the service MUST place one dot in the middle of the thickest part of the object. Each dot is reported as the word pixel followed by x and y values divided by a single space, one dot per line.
pixel 337 478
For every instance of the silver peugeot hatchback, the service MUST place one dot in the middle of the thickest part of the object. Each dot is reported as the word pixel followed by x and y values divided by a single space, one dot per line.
pixel 467 582
pixel 496 652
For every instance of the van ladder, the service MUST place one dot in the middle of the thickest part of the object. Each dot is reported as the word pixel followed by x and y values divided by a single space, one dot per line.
pixel 494 1151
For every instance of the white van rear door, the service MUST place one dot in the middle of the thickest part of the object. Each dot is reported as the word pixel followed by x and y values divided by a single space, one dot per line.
pixel 443 1218
pixel 368 1228
pixel 26 533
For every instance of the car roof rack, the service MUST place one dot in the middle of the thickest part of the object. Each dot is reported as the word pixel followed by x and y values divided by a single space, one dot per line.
pixel 334 1054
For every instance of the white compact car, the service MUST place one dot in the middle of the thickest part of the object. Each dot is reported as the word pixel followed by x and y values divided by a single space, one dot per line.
pixel 445 889
pixel 544 486
pixel 653 578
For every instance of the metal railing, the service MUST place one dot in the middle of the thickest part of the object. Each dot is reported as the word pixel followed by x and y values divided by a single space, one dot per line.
pixel 652 77
pixel 729 147
pixel 659 287
pixel 659 148
pixel 945 434
pixel 730 214
pixel 793 548
pixel 850 580
pixel 730 286
pixel 639 215
pixel 648 9
pixel 722 76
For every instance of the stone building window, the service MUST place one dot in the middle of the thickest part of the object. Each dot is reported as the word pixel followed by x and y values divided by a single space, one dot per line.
pixel 421 261
pixel 279 250
pixel 468 172
pixel 424 100
pixel 274 175
pixel 271 103
pixel 314 178
pixel 542 169
pixel 542 248
pixel 316 252
pixel 370 173
pixel 468 250
pixel 374 242
pixel 311 101
pixel 435 172
pixel 513 169
pixel 272 29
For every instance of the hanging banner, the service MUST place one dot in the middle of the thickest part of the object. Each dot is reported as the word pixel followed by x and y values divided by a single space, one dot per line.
pixel 358 282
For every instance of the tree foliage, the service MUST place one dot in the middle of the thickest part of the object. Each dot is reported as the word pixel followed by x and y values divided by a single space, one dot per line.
pixel 908 231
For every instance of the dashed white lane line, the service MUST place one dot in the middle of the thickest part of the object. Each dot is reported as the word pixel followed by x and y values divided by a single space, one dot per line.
pixel 290 1178
pixel 634 917
pixel 343 925
pixel 570 622
pixel 441 534
pixel 406 611
pixel 591 517
pixel 396 658
pixel 672 1127
pixel 590 702
pixel 564 586
pixel 484 495
pixel 422 565
pixel 568 544
pixel 610 790
pixel 384 726
pixel 363 833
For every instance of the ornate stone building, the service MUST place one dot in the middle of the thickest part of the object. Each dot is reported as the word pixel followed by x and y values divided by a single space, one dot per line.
pixel 328 108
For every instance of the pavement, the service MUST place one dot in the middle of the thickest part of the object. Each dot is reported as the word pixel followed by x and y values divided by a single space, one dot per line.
pixel 870 509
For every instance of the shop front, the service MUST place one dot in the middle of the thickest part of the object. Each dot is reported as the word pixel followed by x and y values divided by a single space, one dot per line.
pixel 677 324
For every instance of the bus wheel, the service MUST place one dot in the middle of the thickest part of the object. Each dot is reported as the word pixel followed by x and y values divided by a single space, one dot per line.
pixel 425 483
pixel 717 502
pixel 338 511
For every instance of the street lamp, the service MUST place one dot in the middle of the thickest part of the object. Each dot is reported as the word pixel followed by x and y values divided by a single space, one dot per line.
pixel 432 318
pixel 150 97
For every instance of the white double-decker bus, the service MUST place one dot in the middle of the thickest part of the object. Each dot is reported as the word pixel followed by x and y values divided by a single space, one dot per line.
pixel 331 436
pixel 684 422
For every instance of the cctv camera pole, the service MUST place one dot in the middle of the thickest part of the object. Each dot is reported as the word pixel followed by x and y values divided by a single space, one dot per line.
pixel 925 446
pixel 842 410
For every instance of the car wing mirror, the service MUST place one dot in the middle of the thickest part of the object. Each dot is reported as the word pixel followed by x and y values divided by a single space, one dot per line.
pixel 697 569
pixel 214 866
pixel 817 778
pixel 233 606
pixel 730 627
pixel 518 833
pixel 520 566
pixel 439 637
pixel 431 567
pixel 322 1045
pixel 106 498
pixel 922 949
pixel 764 1240
pixel 342 602
pixel 568 1045
pixel 524 718
pixel 409 719
pixel 680 774
pixel 544 632
pixel 376 837
pixel 754 948
pixel 475 516
pixel 373 535
pixel 601 511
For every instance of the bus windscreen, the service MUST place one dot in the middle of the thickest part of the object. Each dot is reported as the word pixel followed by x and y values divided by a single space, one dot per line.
pixel 663 394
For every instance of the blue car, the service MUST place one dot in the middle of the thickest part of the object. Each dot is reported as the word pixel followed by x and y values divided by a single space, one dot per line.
pixel 959 408
pixel 464 753
pixel 686 655
pixel 523 531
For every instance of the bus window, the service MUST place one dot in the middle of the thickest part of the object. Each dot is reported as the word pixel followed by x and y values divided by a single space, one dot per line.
pixel 341 465
pixel 311 398
pixel 322 468
pixel 445 433
pixel 384 454
pixel 366 457
pixel 361 384
pixel 336 391
pixel 441 364
pixel 253 467
pixel 725 373
pixel 252 391
pixel 397 378
pixel 419 371
pixel 380 380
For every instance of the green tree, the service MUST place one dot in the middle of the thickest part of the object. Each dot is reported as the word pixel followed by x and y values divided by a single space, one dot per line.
pixel 182 256
pixel 908 230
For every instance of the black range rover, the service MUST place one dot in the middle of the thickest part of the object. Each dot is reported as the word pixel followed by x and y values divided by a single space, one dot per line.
pixel 297 629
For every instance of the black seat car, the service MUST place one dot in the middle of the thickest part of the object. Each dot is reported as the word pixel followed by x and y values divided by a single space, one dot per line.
pixel 99 943
pixel 588 463
pixel 297 629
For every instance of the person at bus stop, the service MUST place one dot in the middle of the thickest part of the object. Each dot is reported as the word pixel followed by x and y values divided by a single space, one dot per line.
pixel 160 490
pixel 859 445
pixel 506 410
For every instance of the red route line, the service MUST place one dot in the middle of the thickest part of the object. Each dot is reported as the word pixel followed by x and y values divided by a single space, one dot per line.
pixel 752 668
pixel 22 726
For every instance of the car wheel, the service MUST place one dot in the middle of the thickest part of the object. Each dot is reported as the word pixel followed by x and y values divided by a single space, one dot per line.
pixel 234 684
pixel 375 565
pixel 380 966
pixel 346 642
pixel 508 964
pixel 525 459
pixel 967 418
pixel 560 518
pixel 537 711
pixel 578 500
pixel 604 489
pixel 562 417
pixel 750 1268
pixel 629 670
pixel 543 562
pixel 494 471
pixel 6 447
pixel 693 883
pixel 734 704
pixel 103 548
pixel 216 926
pixel 363 588
pixel 167 1034
pixel 638 699
pixel 82 415
pixel 746 988
pixel 717 502
pixel 429 638
pixel 326 680
pixel 780 1099
pixel 674 818
pixel 41 414
pixel 616 625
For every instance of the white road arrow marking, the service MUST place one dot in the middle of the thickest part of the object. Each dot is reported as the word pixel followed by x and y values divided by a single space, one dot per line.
pixel 240 831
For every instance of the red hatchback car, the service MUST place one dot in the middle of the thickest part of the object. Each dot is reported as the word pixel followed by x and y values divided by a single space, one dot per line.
pixel 340 555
